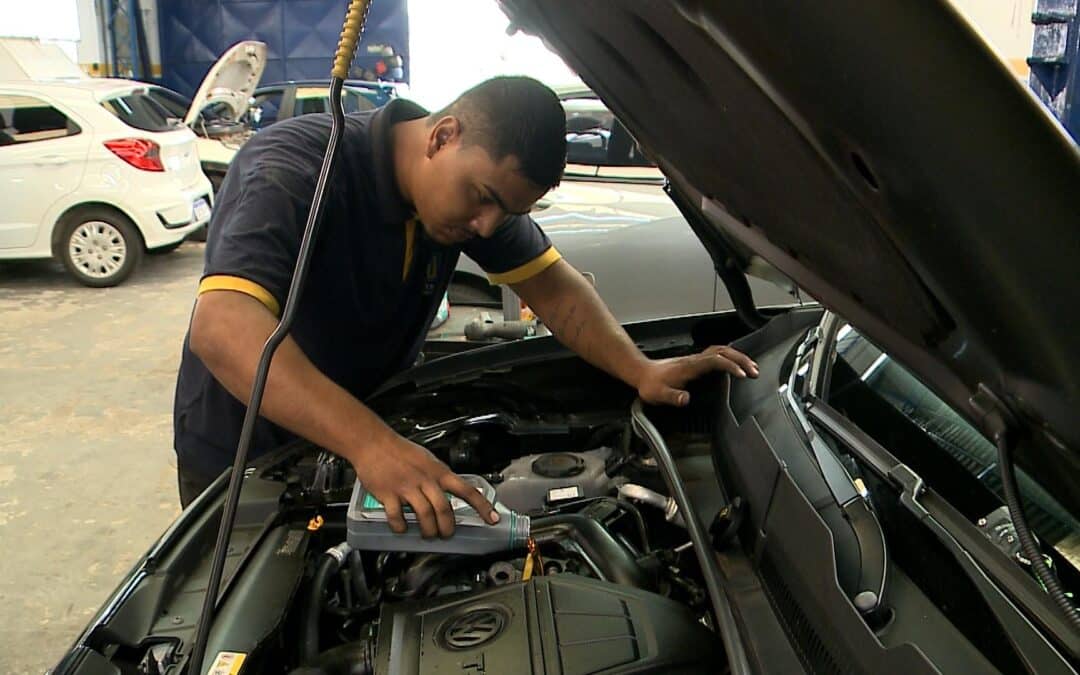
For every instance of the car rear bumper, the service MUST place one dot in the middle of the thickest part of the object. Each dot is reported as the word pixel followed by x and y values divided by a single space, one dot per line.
pixel 174 213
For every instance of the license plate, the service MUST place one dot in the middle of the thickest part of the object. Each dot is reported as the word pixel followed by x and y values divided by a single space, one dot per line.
pixel 202 210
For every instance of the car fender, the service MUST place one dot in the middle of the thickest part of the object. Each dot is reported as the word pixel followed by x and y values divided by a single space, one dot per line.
pixel 47 244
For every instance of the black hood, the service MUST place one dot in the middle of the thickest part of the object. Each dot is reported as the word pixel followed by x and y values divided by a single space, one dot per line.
pixel 879 155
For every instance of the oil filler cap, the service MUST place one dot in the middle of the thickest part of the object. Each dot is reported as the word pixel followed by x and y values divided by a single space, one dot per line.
pixel 558 465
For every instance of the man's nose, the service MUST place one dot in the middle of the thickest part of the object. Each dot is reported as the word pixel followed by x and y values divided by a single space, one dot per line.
pixel 486 222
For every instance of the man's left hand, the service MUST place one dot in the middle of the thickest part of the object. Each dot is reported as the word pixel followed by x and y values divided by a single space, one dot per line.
pixel 662 381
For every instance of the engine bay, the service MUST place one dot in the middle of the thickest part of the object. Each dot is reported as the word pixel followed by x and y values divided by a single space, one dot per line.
pixel 606 581
pixel 614 575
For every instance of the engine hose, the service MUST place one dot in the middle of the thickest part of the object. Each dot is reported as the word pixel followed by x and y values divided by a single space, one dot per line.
pixel 353 658
pixel 1027 541
pixel 350 37
pixel 639 521
pixel 329 565
pixel 362 592
pixel 425 569
pixel 647 496
pixel 738 663
pixel 611 558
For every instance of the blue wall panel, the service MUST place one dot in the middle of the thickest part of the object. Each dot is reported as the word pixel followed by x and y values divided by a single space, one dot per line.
pixel 301 37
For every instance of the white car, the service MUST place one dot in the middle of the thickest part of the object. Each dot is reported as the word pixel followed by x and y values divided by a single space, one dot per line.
pixel 94 173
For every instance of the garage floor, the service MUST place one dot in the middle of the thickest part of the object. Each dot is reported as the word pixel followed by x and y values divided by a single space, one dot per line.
pixel 87 471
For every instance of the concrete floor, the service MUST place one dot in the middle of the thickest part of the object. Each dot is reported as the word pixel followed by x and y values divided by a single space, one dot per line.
pixel 87 471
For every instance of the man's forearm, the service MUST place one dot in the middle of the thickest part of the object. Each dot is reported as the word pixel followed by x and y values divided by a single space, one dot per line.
pixel 228 332
pixel 572 310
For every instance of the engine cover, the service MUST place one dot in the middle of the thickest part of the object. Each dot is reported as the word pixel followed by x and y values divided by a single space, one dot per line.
pixel 565 625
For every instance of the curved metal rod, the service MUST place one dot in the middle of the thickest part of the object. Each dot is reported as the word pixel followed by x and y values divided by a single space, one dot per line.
pixel 725 620
pixel 258 387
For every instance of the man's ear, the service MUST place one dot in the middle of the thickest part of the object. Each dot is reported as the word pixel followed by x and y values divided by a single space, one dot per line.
pixel 445 131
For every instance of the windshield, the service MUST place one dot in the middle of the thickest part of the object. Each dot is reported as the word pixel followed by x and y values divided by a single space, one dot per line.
pixel 315 99
pixel 175 103
pixel 898 410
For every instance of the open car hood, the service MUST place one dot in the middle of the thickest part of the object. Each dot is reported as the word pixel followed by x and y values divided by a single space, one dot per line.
pixel 231 81
pixel 880 156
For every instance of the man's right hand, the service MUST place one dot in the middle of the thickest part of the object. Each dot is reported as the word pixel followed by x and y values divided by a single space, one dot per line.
pixel 398 472
pixel 228 331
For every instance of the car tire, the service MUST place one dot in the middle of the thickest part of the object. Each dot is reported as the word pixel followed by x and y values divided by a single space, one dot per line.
pixel 215 181
pixel 99 246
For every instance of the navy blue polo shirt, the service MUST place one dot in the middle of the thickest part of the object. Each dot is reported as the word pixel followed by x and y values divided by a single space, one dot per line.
pixel 375 279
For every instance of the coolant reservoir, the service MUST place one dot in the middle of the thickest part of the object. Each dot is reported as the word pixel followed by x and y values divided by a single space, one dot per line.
pixel 368 528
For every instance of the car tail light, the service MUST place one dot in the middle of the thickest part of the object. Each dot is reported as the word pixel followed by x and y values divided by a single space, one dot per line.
pixel 138 152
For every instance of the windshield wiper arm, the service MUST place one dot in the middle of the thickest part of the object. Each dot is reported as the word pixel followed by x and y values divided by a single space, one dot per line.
pixel 964 543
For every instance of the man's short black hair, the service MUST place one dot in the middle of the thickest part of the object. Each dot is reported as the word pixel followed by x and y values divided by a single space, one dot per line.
pixel 515 116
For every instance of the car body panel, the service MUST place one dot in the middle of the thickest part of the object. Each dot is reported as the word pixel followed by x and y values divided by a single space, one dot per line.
pixel 867 176
pixel 50 169
pixel 612 199
pixel 635 245
pixel 231 80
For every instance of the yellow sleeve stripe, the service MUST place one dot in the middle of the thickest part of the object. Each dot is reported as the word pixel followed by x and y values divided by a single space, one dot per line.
pixel 224 282
pixel 529 269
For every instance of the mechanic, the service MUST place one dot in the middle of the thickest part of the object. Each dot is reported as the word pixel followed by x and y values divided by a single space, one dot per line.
pixel 411 191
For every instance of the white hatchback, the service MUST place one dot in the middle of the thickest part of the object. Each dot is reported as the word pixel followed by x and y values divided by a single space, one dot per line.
pixel 94 172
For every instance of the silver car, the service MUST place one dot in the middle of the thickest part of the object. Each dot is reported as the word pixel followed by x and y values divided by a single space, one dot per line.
pixel 612 220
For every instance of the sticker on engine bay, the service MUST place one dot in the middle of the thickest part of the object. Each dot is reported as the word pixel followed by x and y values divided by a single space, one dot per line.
pixel 559 494
pixel 227 663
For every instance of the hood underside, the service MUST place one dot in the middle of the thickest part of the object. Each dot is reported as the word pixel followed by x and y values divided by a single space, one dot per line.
pixel 231 80
pixel 880 156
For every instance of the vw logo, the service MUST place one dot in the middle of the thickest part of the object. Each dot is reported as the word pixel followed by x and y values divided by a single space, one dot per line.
pixel 472 629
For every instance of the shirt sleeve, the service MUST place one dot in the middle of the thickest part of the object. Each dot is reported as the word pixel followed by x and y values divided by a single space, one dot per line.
pixel 518 250
pixel 254 236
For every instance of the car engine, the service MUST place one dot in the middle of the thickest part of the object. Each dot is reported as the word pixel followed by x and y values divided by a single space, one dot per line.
pixel 606 582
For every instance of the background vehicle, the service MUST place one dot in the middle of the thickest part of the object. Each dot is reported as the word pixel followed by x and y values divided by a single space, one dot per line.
pixel 219 113
pixel 612 220
pixel 94 173
pixel 282 100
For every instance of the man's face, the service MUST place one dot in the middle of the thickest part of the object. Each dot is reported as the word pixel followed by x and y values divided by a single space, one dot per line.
pixel 460 192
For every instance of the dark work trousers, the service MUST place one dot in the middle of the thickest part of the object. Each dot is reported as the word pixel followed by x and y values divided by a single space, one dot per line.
pixel 192 483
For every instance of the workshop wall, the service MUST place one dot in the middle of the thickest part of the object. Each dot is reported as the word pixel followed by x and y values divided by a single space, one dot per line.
pixel 301 36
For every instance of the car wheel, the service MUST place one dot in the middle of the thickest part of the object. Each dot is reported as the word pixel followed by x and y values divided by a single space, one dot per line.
pixel 99 247
pixel 215 181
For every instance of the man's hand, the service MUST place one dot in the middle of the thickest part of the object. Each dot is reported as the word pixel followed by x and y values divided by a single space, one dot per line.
pixel 570 307
pixel 398 472
pixel 662 381
pixel 227 333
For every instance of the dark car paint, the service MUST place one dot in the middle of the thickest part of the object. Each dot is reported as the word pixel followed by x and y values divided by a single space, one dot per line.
pixel 884 159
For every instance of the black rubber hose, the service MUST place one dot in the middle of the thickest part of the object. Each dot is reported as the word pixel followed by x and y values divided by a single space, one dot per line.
pixel 1027 541
pixel 738 664
pixel 329 565
pixel 363 594
pixel 353 658
pixel 613 559
pixel 425 569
